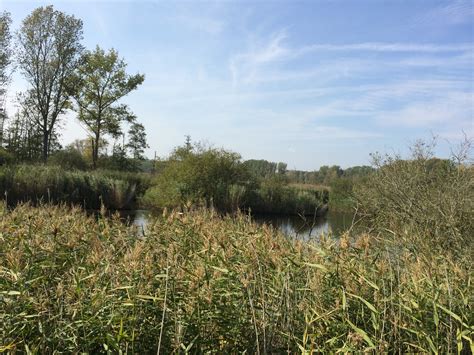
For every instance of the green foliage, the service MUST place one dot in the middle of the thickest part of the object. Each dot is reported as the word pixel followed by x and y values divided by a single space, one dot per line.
pixel 196 281
pixel 341 195
pixel 261 169
pixel 275 196
pixel 421 197
pixel 68 159
pixel 37 183
pixel 137 140
pixel 5 157
pixel 100 81
pixel 47 52
pixel 215 177
pixel 5 55
pixel 199 175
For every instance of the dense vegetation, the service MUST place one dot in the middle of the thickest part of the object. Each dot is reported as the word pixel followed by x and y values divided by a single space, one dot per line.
pixel 200 175
pixel 203 283
pixel 196 280
pixel 199 282
pixel 37 183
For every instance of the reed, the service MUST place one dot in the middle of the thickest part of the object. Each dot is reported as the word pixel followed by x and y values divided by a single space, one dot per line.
pixel 38 183
pixel 200 282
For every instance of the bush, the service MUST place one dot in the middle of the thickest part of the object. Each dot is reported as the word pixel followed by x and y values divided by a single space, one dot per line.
pixel 215 177
pixel 423 197
pixel 68 159
pixel 340 197
pixel 276 197
pixel 201 175
pixel 5 157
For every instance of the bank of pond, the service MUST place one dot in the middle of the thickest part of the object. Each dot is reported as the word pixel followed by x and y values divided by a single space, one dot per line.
pixel 127 191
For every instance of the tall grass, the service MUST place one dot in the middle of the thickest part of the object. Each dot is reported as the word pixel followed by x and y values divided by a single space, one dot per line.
pixel 198 282
pixel 53 184
pixel 289 200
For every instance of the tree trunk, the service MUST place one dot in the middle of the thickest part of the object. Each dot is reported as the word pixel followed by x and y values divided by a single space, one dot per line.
pixel 95 150
pixel 45 146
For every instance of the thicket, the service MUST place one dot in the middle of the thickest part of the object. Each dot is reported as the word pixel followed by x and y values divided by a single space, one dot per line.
pixel 422 197
pixel 206 176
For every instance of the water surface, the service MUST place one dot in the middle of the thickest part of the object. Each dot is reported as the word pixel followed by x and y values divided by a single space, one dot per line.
pixel 293 226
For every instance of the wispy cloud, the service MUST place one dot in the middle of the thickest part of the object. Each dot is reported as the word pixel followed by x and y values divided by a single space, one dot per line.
pixel 454 12
pixel 263 61
pixel 454 109
pixel 244 66
pixel 386 47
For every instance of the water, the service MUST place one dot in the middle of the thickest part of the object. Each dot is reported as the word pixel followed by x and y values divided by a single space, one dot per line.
pixel 308 227
pixel 292 226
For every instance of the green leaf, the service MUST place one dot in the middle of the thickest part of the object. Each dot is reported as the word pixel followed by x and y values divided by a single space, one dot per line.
pixel 362 333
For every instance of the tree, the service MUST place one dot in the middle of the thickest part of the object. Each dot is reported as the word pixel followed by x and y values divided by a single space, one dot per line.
pixel 137 140
pixel 49 48
pixel 101 81
pixel 5 61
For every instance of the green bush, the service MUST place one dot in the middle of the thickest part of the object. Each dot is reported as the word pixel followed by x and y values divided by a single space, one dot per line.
pixel 201 175
pixel 341 195
pixel 5 157
pixel 68 159
pixel 215 177
pixel 275 196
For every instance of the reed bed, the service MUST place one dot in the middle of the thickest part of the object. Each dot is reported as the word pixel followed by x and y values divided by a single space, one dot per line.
pixel 199 282
pixel 37 183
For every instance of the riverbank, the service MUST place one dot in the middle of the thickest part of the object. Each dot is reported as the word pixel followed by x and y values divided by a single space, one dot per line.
pixel 37 183
pixel 198 281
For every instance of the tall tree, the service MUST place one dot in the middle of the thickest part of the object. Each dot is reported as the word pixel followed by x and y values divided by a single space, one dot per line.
pixel 137 140
pixel 100 82
pixel 48 53
pixel 5 61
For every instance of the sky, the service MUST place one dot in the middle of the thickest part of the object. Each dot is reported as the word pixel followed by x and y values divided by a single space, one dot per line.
pixel 309 83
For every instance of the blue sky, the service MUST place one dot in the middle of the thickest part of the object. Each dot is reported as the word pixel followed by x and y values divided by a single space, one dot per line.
pixel 305 82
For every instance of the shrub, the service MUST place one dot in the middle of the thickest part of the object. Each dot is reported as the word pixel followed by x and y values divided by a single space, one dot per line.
pixel 199 175
pixel 68 159
pixel 422 197
pixel 5 157
pixel 275 196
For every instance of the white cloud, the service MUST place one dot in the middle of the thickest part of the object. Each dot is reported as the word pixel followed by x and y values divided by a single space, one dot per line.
pixel 386 47
pixel 455 109
pixel 454 12
pixel 244 66
pixel 263 61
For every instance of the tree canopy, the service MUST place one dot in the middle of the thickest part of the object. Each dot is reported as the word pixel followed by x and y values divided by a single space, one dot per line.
pixel 99 82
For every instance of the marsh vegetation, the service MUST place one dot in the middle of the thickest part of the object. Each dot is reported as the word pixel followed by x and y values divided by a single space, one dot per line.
pixel 202 276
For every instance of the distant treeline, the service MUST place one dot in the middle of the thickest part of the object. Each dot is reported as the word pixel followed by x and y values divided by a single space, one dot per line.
pixel 324 176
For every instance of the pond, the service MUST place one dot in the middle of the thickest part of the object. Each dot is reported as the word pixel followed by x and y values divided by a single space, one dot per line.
pixel 292 226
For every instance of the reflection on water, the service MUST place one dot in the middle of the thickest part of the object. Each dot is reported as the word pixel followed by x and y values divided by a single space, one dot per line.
pixel 293 226
pixel 308 227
